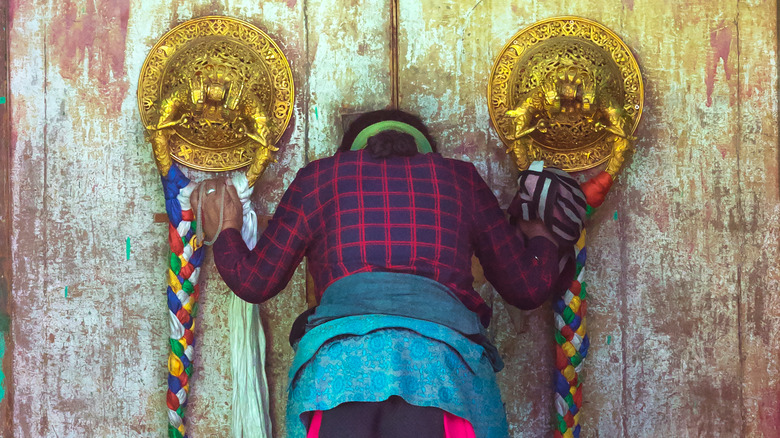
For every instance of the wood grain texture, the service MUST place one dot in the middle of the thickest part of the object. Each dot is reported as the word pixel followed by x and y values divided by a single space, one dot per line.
pixel 349 67
pixel 29 310
pixel 759 274
pixel 682 271
pixel 6 256
pixel 84 180
pixel 666 264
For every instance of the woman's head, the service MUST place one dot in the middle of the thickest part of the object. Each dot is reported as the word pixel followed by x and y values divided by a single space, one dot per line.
pixel 389 142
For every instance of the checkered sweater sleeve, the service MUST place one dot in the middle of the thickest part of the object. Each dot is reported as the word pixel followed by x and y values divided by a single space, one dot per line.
pixel 258 275
pixel 423 215
pixel 523 271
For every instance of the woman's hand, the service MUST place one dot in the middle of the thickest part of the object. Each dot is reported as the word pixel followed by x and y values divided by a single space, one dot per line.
pixel 536 228
pixel 214 191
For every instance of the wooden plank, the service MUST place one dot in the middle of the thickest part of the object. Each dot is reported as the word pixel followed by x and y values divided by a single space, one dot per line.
pixel 445 66
pixel 349 67
pixel 653 366
pixel 344 68
pixel 759 274
pixel 98 304
pixel 91 142
pixel 27 61
pixel 6 256
pixel 444 78
pixel 284 21
pixel 91 138
pixel 678 207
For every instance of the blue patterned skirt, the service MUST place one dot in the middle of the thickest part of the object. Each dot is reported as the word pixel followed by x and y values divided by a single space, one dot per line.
pixel 368 358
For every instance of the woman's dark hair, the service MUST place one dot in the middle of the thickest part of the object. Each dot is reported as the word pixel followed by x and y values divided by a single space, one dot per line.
pixel 386 143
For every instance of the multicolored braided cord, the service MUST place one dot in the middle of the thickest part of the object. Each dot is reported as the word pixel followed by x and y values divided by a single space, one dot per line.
pixel 570 332
pixel 572 347
pixel 185 259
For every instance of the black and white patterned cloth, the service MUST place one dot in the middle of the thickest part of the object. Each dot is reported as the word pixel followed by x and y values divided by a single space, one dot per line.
pixel 553 196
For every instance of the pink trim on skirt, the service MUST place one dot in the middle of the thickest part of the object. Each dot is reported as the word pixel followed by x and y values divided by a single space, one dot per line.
pixel 314 427
pixel 457 427
pixel 454 426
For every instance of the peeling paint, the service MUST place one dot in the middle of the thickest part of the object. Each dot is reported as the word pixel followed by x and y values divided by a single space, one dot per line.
pixel 666 269
pixel 2 375
pixel 720 42
pixel 682 287
pixel 90 41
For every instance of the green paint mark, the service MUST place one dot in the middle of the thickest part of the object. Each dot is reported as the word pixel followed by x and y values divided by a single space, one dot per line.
pixel 2 376
pixel 2 100
pixel 589 211
pixel 615 216
pixel 127 248
pixel 66 291
pixel 316 113
pixel 609 339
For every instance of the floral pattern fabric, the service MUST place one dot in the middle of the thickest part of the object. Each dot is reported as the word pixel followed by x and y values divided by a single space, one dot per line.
pixel 369 358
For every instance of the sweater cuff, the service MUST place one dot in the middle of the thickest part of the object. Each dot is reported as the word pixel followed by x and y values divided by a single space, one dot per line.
pixel 543 248
pixel 227 240
pixel 561 256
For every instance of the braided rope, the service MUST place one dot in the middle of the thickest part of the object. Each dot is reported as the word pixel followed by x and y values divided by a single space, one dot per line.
pixel 572 341
pixel 250 386
pixel 184 268
pixel 572 347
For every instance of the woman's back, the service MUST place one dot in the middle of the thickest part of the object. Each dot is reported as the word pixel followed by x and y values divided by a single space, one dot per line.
pixel 400 214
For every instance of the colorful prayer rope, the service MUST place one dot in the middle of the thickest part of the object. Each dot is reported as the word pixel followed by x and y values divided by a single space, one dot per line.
pixel 185 259
pixel 570 334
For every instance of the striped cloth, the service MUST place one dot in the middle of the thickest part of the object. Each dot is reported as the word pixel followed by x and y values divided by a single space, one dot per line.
pixel 553 196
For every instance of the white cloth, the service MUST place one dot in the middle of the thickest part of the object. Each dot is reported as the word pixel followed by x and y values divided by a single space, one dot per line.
pixel 251 417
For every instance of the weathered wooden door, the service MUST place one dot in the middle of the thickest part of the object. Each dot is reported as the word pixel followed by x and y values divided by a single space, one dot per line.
pixel 683 268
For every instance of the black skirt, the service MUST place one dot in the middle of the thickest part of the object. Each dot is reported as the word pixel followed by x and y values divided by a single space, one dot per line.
pixel 392 418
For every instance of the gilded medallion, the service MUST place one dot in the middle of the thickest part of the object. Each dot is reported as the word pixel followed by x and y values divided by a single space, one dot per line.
pixel 567 91
pixel 215 93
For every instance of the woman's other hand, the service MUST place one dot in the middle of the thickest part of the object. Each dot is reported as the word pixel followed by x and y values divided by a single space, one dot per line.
pixel 536 228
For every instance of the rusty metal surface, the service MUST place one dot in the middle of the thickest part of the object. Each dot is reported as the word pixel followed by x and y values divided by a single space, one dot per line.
pixel 683 257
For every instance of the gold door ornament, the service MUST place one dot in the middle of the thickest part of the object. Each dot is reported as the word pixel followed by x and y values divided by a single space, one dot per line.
pixel 215 94
pixel 567 91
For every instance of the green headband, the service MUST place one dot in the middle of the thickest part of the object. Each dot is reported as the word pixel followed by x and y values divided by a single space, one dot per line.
pixel 423 145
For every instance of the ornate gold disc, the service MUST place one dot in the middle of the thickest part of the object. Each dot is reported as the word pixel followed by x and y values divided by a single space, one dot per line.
pixel 571 87
pixel 215 91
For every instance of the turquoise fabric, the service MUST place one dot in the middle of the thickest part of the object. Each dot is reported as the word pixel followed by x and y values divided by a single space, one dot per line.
pixel 379 334
pixel 368 358
pixel 394 293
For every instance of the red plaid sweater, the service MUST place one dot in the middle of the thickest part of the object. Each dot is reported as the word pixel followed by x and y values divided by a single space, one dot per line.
pixel 424 215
